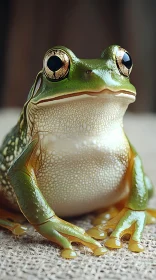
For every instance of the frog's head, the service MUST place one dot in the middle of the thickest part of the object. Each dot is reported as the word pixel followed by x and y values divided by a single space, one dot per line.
pixel 64 75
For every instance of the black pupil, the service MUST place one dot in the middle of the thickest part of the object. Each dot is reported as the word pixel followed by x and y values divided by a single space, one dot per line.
pixel 126 60
pixel 54 63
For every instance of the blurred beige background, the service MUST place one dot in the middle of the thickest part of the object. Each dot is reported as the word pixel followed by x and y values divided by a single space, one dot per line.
pixel 29 28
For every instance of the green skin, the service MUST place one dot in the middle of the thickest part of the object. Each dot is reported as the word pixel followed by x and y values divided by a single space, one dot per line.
pixel 85 75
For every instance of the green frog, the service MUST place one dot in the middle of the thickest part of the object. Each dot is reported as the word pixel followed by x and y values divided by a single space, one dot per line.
pixel 68 155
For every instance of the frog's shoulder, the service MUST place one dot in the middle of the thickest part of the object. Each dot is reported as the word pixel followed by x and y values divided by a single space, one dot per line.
pixel 16 140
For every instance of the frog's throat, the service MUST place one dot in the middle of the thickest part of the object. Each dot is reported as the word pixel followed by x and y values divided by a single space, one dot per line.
pixel 84 114
pixel 129 95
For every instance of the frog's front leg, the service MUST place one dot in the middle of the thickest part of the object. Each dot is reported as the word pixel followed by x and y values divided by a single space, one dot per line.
pixel 134 215
pixel 37 211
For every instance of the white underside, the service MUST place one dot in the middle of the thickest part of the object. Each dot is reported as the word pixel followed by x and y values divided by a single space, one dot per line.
pixel 84 155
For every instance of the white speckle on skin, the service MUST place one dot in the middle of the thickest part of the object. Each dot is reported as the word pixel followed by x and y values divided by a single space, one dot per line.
pixel 7 158
pixel 11 157
pixel 38 152
pixel 5 151
pixel 4 182
pixel 2 167
pixel 16 141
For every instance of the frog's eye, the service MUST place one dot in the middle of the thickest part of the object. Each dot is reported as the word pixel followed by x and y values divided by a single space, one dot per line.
pixel 56 64
pixel 124 62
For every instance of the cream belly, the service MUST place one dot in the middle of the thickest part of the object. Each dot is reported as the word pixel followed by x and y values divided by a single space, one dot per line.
pixel 82 153
pixel 82 173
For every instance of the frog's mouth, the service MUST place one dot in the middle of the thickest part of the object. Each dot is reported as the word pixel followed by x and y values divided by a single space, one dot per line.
pixel 129 95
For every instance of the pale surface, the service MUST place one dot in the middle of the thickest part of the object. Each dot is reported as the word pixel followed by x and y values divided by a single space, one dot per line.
pixel 32 257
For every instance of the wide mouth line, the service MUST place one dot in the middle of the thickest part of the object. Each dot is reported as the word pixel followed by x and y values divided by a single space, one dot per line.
pixel 106 91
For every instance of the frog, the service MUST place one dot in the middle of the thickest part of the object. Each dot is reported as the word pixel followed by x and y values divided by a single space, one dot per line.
pixel 68 155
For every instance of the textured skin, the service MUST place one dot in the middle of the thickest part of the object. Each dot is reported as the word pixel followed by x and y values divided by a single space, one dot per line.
pixel 13 145
pixel 80 164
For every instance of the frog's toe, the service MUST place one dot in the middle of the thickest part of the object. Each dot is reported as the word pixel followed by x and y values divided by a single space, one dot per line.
pixel 106 216
pixel 68 254
pixel 150 216
pixel 19 229
pixel 114 243
pixel 100 251
pixel 71 254
pixel 135 246
pixel 97 233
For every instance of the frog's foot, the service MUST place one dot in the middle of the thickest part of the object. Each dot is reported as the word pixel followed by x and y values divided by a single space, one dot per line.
pixel 15 228
pixel 105 216
pixel 127 221
pixel 64 233
pixel 12 222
